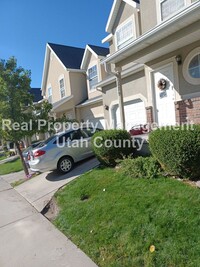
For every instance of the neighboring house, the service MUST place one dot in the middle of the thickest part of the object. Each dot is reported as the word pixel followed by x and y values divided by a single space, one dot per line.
pixel 69 79
pixel 92 109
pixel 63 82
pixel 37 94
pixel 154 63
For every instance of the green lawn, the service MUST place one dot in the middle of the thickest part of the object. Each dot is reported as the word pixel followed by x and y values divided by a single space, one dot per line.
pixel 2 156
pixel 9 167
pixel 115 219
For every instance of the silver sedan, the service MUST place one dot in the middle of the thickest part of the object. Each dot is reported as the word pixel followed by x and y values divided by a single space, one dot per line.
pixel 61 151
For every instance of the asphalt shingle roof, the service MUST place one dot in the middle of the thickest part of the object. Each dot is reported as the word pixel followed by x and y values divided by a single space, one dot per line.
pixel 70 56
pixel 100 51
pixel 36 92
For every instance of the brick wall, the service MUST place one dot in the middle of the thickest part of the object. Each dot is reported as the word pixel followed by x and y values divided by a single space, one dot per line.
pixel 149 112
pixel 188 110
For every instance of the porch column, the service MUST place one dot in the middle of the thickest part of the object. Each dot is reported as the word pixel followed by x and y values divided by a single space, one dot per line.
pixel 120 96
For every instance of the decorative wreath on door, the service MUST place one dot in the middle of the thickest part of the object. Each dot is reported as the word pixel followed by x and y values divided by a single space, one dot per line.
pixel 162 83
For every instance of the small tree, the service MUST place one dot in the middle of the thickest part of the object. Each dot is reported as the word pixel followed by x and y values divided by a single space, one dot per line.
pixel 14 100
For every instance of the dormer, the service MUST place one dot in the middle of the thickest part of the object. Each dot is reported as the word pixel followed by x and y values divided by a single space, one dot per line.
pixel 94 70
pixel 123 24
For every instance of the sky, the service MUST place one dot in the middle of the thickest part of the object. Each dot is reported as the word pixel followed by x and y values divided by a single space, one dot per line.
pixel 27 25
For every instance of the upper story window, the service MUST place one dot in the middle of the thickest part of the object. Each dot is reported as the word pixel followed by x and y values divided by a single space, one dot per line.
pixel 50 94
pixel 62 87
pixel 169 7
pixel 93 76
pixel 125 33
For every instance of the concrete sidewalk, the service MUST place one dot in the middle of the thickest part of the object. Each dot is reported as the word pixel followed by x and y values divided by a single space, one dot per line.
pixel 27 239
pixel 39 190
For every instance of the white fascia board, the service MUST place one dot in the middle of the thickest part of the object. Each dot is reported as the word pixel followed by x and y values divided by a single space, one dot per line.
pixel 84 58
pixel 45 69
pixel 150 37
pixel 132 3
pixel 76 70
pixel 113 14
pixel 61 102
pixel 88 50
pixel 46 66
pixel 107 38
pixel 88 102
pixel 56 56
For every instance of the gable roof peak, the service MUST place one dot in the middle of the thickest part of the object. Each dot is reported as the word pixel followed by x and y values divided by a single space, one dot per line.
pixel 70 56
pixel 99 50
pixel 114 11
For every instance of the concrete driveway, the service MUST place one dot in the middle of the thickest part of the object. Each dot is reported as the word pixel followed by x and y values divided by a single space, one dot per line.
pixel 39 190
pixel 28 239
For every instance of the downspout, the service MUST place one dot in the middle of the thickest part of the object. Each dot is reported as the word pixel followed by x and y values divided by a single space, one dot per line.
pixel 117 74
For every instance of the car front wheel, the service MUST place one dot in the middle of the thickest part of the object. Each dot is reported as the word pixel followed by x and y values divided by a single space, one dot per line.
pixel 65 165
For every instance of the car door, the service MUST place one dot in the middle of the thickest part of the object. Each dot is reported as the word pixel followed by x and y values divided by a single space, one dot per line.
pixel 81 144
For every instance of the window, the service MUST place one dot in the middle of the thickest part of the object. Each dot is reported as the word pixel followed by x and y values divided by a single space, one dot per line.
pixel 194 67
pixel 50 95
pixel 92 76
pixel 125 34
pixel 191 67
pixel 169 7
pixel 62 88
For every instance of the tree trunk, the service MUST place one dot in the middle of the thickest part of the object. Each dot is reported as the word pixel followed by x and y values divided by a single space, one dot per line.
pixel 22 159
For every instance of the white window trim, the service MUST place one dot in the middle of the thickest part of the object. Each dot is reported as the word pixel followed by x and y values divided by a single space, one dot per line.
pixel 132 19
pixel 48 87
pixel 60 78
pixel 93 89
pixel 186 75
pixel 186 2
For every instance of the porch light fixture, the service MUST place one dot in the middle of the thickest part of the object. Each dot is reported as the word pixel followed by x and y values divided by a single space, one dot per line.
pixel 106 107
pixel 178 59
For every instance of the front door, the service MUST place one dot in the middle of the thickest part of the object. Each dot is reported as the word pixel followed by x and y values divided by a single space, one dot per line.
pixel 164 96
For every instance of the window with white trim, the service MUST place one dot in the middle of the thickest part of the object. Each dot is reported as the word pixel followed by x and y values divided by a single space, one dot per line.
pixel 62 87
pixel 125 33
pixel 169 7
pixel 49 94
pixel 92 76
pixel 191 67
pixel 194 67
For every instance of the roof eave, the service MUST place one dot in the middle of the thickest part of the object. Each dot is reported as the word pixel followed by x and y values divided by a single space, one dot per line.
pixel 114 12
pixel 88 50
pixel 150 37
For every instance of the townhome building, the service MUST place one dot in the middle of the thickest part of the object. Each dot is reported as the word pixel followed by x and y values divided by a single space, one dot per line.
pixel 69 79
pixel 63 82
pixel 92 109
pixel 153 68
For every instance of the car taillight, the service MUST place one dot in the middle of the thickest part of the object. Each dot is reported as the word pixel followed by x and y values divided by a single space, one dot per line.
pixel 29 156
pixel 39 153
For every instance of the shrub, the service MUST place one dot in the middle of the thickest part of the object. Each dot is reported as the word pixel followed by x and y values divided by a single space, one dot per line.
pixel 108 155
pixel 177 150
pixel 141 167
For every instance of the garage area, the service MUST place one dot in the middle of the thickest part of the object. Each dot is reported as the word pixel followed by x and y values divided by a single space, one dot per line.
pixel 135 113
